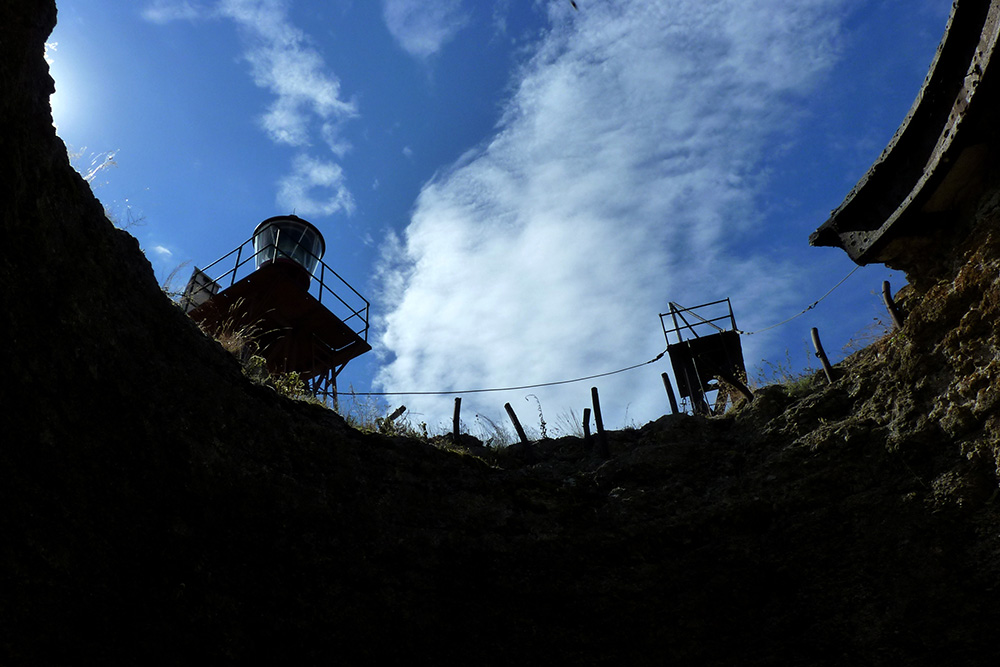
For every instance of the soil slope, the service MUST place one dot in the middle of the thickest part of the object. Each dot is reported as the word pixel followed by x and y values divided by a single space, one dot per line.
pixel 157 506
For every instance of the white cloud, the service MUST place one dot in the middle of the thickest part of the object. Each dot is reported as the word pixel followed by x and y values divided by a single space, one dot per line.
pixel 623 175
pixel 162 251
pixel 165 11
pixel 315 187
pixel 307 99
pixel 422 27
pixel 283 62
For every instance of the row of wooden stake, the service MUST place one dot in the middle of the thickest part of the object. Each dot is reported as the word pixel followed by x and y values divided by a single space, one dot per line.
pixel 602 439
pixel 602 436
pixel 897 323
pixel 894 314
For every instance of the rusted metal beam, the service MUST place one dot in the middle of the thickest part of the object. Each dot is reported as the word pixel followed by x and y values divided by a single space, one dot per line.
pixel 929 165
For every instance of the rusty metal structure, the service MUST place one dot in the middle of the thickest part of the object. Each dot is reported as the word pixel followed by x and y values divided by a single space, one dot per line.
pixel 706 357
pixel 275 290
pixel 934 165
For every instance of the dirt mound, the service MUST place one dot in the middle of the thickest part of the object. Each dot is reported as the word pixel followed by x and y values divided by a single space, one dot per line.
pixel 158 505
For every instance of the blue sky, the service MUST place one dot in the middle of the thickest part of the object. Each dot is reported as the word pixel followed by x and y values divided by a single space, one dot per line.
pixel 518 187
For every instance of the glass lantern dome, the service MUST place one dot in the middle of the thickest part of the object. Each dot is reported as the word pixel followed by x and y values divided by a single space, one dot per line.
pixel 288 237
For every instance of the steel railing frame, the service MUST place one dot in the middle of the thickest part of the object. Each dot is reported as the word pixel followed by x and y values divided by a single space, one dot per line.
pixel 318 283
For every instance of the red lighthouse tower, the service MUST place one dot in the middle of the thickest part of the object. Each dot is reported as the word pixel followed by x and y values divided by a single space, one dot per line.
pixel 306 318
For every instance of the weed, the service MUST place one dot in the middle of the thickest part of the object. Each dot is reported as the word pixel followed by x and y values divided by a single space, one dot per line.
pixel 784 373
pixel 362 412
pixel 399 426
pixel 235 336
pixel 241 342
pixel 286 384
pixel 874 332
pixel 289 384
pixel 370 414
pixel 98 162
pixel 169 284
pixel 131 219
pixel 541 417
pixel 629 424
pixel 492 434
pixel 255 368
pixel 802 385
pixel 569 423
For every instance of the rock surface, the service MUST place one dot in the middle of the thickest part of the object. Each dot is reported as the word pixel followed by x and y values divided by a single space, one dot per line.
pixel 158 506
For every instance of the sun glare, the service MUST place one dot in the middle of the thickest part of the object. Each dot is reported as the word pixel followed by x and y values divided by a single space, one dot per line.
pixel 61 101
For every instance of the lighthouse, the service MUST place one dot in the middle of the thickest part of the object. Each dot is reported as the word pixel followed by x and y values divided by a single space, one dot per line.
pixel 304 316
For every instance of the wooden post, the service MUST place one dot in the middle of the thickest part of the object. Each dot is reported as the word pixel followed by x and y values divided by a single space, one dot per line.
pixel 733 380
pixel 586 427
pixel 740 386
pixel 670 393
pixel 455 421
pixel 396 413
pixel 827 368
pixel 890 305
pixel 602 438
pixel 517 424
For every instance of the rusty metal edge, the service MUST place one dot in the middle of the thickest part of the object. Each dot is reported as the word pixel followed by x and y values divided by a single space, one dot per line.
pixel 894 186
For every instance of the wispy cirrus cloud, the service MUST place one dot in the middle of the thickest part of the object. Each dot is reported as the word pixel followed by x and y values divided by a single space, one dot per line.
pixel 162 251
pixel 307 105
pixel 423 27
pixel 315 188
pixel 624 173
pixel 165 11
pixel 283 61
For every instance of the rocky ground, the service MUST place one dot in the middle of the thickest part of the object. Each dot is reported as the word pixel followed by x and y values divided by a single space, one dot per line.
pixel 159 506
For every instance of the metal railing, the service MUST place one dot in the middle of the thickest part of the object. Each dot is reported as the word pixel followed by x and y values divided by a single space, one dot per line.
pixel 318 285
pixel 678 311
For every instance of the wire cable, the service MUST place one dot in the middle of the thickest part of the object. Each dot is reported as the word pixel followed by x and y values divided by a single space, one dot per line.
pixel 803 312
pixel 598 375
pixel 494 389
